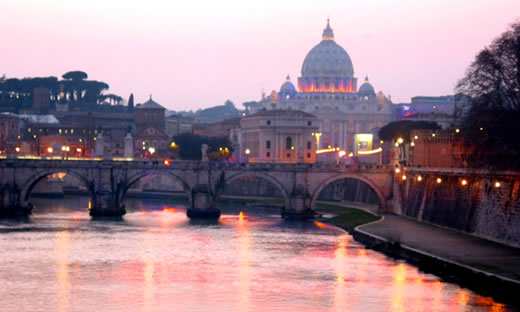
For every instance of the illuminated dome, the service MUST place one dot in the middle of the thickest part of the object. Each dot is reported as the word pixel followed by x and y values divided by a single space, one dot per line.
pixel 366 89
pixel 327 67
pixel 287 88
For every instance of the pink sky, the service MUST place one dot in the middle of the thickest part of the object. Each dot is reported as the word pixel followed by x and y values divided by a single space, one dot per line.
pixel 197 54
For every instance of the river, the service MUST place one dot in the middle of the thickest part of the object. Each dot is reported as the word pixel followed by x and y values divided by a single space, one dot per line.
pixel 155 259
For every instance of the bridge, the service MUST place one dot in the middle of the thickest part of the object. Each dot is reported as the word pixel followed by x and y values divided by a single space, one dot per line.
pixel 108 181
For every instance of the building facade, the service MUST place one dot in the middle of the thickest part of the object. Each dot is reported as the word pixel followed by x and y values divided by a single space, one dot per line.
pixel 349 117
pixel 276 136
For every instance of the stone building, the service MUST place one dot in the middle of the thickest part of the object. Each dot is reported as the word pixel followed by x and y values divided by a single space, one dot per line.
pixel 276 136
pixel 439 109
pixel 178 124
pixel 438 149
pixel 150 139
pixel 9 132
pixel 348 117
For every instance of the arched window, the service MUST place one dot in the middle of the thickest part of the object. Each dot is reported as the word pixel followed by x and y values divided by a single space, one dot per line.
pixel 288 143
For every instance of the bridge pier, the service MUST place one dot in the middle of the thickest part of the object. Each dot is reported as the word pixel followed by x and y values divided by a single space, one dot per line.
pixel 203 203
pixel 11 204
pixel 300 205
pixel 106 204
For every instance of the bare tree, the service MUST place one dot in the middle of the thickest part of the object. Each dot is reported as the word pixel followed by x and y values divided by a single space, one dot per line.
pixel 492 120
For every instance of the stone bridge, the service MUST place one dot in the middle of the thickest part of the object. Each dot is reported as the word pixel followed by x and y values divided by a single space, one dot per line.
pixel 108 182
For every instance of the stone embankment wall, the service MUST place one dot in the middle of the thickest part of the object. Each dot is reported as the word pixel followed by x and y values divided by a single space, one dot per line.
pixel 486 205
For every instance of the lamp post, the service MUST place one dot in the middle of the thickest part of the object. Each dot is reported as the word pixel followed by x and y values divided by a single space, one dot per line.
pixel 247 152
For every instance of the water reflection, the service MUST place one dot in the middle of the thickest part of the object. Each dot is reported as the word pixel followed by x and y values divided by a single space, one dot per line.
pixel 155 259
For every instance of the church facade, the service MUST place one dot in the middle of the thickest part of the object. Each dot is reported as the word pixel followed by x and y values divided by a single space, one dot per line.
pixel 327 88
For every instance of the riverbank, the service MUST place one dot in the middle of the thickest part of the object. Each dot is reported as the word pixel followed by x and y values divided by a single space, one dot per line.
pixel 486 267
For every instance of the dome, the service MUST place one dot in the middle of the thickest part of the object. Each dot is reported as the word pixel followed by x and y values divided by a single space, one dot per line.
pixel 287 87
pixel 366 89
pixel 327 59
pixel 150 104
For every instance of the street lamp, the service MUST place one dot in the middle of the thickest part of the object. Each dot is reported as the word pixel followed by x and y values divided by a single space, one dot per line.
pixel 247 152
pixel 151 150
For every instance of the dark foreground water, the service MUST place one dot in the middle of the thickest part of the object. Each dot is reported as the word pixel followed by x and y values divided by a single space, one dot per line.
pixel 155 259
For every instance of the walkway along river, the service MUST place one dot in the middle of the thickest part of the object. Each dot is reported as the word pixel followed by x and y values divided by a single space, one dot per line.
pixel 155 259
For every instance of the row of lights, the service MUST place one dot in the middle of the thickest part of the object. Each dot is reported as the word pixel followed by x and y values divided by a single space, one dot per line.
pixel 463 182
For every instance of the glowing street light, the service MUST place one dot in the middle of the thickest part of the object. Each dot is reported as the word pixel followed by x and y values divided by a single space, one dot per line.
pixel 497 184
pixel 403 177
pixel 419 178
pixel 247 151
pixel 151 150
pixel 50 150
pixel 397 170
pixel 439 180
pixel 463 182
pixel 17 149
pixel 400 140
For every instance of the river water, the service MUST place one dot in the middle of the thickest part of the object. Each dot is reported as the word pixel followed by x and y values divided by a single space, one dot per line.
pixel 155 259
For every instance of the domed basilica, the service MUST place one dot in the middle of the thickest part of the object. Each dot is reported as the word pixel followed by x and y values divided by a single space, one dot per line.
pixel 328 89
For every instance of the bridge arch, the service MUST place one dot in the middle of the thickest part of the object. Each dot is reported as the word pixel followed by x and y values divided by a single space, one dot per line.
pixel 274 181
pixel 148 173
pixel 380 195
pixel 30 183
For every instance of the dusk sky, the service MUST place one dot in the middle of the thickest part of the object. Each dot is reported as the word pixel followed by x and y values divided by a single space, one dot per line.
pixel 197 54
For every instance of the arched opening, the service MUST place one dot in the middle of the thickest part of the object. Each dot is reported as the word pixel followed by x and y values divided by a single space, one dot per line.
pixel 353 191
pixel 57 191
pixel 155 190
pixel 254 192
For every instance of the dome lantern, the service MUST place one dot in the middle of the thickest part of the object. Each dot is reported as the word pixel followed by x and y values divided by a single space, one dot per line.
pixel 328 34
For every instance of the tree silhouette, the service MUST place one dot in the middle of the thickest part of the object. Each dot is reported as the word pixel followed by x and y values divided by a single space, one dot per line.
pixel 131 103
pixel 492 116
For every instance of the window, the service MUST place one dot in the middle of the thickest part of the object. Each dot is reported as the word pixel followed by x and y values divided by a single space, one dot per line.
pixel 267 144
pixel 268 154
pixel 288 155
pixel 288 143
pixel 268 122
pixel 308 155
pixel 309 123
pixel 309 144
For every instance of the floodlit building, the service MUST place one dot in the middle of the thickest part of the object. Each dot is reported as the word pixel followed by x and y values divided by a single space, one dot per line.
pixel 276 136
pixel 349 116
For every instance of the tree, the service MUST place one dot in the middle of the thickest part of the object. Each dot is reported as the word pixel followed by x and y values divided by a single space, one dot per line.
pixel 402 129
pixel 492 82
pixel 75 75
pixel 131 103
pixel 190 146
pixel 74 82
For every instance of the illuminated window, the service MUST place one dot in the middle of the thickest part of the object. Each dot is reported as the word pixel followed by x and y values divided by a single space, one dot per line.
pixel 59 131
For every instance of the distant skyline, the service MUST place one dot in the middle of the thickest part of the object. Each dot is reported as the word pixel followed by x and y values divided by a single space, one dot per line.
pixel 197 54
